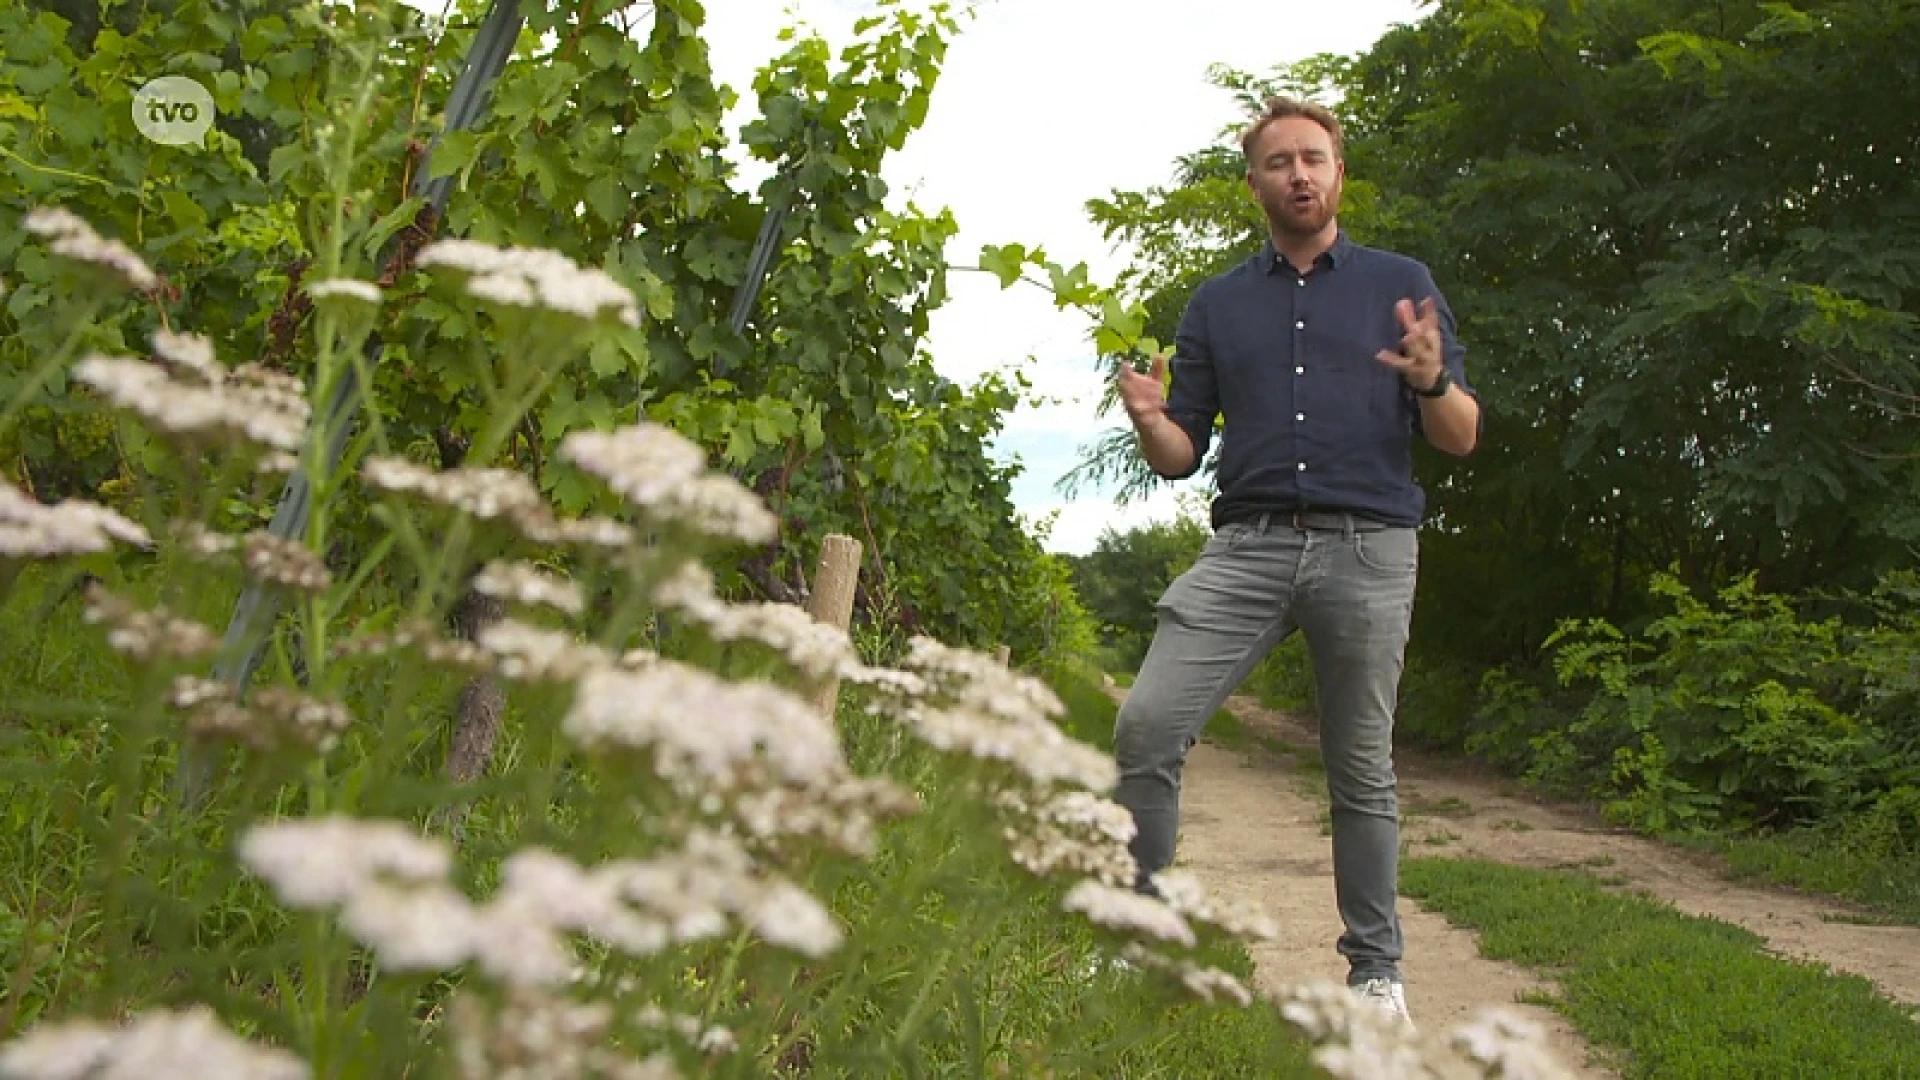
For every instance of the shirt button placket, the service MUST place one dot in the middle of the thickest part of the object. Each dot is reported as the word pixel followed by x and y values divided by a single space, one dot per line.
pixel 1299 369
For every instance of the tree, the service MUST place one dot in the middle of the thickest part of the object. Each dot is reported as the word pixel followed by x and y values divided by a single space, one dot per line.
pixel 1683 257
pixel 1121 579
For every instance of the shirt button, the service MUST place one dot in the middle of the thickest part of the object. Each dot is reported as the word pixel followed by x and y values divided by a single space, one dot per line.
pixel 1303 466
pixel 1302 281
pixel 1300 325
pixel 1299 417
pixel 1299 371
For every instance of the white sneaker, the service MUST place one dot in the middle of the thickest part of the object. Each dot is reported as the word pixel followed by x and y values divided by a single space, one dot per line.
pixel 1388 996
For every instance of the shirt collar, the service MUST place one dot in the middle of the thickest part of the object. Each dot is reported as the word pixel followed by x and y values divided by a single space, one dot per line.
pixel 1270 260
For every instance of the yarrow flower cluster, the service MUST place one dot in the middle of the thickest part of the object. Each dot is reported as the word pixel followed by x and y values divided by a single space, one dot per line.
pixel 424 638
pixel 533 278
pixel 664 475
pixel 391 889
pixel 703 727
pixel 1205 983
pixel 155 1044
pixel 364 292
pixel 252 403
pixel 269 718
pixel 524 583
pixel 30 529
pixel 534 1034
pixel 494 494
pixel 1123 909
pixel 72 238
pixel 263 555
pixel 969 704
pixel 1074 832
pixel 1184 893
pixel 537 654
pixel 814 648
pixel 147 635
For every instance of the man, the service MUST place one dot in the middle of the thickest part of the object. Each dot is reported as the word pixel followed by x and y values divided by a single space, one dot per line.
pixel 1325 358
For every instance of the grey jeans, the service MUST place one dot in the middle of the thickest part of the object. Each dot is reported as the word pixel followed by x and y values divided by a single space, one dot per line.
pixel 1349 590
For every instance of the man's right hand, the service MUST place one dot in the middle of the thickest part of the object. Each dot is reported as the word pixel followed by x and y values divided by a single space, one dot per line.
pixel 1164 444
pixel 1144 396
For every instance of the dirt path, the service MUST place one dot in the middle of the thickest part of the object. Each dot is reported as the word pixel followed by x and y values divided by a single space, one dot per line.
pixel 1251 832
pixel 1460 810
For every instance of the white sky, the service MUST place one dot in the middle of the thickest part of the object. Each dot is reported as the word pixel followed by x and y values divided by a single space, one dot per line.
pixel 1043 105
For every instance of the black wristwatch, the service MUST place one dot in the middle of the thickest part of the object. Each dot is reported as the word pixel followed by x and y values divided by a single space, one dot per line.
pixel 1439 387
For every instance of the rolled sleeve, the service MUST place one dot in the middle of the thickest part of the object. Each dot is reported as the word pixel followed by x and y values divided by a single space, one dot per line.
pixel 1194 401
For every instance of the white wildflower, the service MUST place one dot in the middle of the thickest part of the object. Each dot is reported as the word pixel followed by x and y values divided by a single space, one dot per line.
pixel 480 493
pixel 262 554
pixel 662 474
pixel 74 239
pixel 517 951
pixel 842 812
pixel 148 635
pixel 30 529
pixel 1127 911
pixel 426 639
pixel 537 654
pixel 270 718
pixel 524 583
pixel 261 406
pixel 322 862
pixel 536 1033
pixel 157 1044
pixel 697 723
pixel 813 648
pixel 1508 1045
pixel 789 916
pixel 365 292
pixel 1183 891
pixel 428 927
pixel 978 681
pixel 587 532
pixel 191 353
pixel 1210 984
pixel 1075 832
pixel 1036 748
pixel 526 277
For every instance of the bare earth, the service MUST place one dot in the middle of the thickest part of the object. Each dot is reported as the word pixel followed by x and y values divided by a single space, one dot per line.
pixel 1251 829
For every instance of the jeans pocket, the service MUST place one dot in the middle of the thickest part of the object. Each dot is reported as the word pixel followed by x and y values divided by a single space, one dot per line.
pixel 1388 551
pixel 1225 537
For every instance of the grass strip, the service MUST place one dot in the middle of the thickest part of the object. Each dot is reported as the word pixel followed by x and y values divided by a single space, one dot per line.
pixel 1670 995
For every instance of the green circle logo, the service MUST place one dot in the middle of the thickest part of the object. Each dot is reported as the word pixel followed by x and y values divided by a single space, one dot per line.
pixel 173 110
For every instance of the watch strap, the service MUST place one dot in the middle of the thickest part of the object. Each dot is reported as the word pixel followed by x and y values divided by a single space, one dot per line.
pixel 1440 385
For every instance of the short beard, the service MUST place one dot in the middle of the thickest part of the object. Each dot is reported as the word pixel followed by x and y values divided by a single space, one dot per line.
pixel 1284 223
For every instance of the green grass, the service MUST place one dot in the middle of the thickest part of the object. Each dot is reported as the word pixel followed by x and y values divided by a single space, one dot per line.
pixel 1817 861
pixel 1676 997
pixel 1020 999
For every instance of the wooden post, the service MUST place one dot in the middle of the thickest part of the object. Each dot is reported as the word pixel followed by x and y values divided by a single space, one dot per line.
pixel 1006 655
pixel 832 601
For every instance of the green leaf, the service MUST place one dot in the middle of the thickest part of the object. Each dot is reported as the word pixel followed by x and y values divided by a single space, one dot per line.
pixel 1005 262
pixel 390 223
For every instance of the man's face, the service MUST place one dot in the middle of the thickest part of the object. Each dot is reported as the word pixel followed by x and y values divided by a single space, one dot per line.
pixel 1296 177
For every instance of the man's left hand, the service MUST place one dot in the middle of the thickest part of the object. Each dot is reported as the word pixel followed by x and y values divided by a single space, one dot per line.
pixel 1418 360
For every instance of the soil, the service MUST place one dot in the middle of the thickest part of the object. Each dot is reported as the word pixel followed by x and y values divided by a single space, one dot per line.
pixel 1461 809
pixel 1251 829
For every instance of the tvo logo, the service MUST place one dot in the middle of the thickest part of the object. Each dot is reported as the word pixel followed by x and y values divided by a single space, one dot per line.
pixel 173 110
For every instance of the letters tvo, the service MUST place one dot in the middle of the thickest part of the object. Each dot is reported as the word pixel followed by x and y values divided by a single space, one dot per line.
pixel 168 112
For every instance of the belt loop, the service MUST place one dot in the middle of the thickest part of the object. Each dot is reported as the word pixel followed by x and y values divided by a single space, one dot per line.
pixel 1260 523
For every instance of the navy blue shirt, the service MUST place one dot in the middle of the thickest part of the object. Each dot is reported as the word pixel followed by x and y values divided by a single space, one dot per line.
pixel 1312 418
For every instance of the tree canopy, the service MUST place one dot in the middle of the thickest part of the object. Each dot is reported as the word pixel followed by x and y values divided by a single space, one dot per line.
pixel 1682 246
